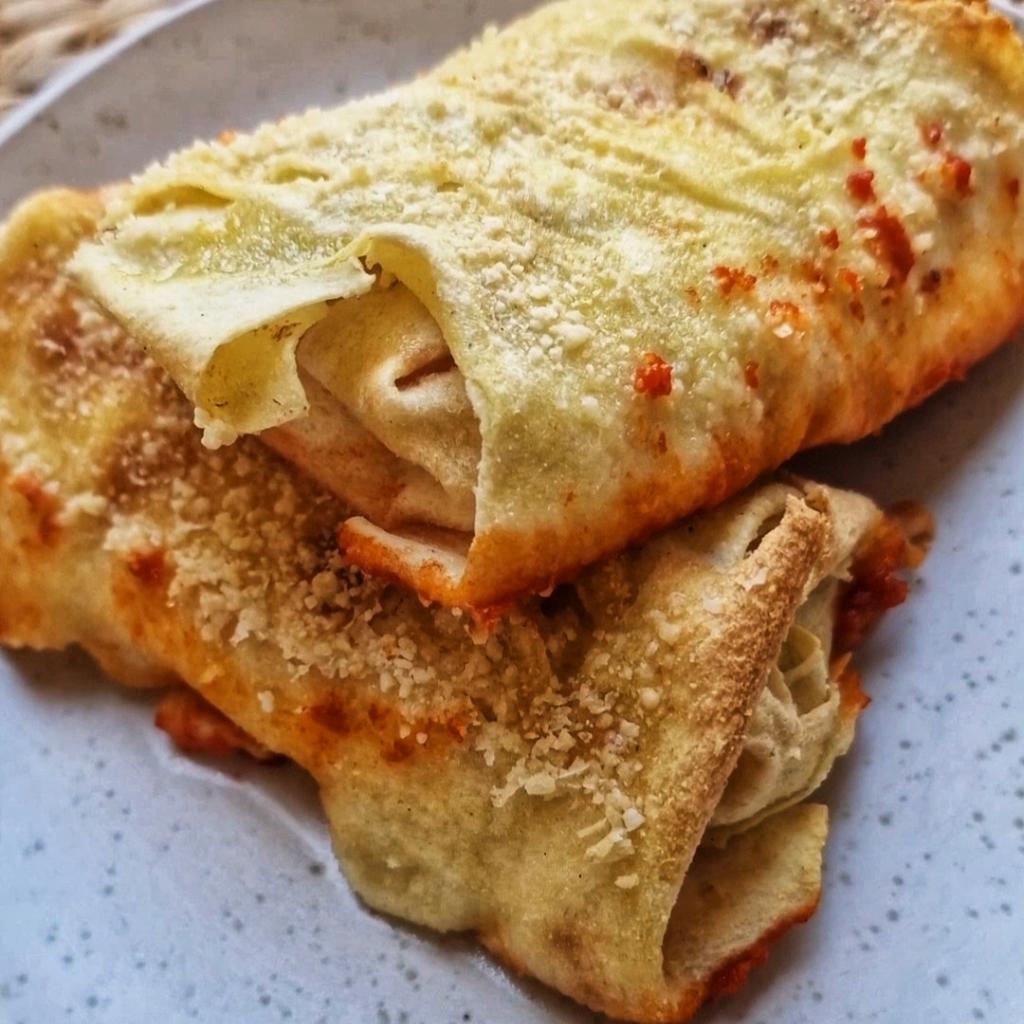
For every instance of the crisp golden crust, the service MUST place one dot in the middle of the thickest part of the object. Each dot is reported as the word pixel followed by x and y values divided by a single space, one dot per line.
pixel 484 780
pixel 701 236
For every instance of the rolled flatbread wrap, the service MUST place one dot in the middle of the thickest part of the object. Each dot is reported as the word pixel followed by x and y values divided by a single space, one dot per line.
pixel 598 270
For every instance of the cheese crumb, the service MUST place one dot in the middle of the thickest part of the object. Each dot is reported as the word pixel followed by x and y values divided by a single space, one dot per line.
pixel 540 784
pixel 632 819
pixel 649 698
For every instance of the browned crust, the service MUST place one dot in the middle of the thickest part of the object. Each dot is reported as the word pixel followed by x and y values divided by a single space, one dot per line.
pixel 732 976
pixel 876 584
pixel 693 994
pixel 316 733
pixel 43 508
pixel 506 565
pixel 197 727
pixel 727 980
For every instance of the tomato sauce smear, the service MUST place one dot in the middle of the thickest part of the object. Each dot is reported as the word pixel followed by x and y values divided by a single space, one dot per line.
pixel 890 243
pixel 900 541
pixel 653 377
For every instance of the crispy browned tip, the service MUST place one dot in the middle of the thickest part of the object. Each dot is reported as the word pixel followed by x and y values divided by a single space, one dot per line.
pixel 732 976
pixel 197 727
pixel 918 526
pixel 876 584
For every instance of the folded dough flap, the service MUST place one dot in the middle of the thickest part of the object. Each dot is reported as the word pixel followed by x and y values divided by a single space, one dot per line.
pixel 343 372
pixel 639 262
pixel 387 403
pixel 602 785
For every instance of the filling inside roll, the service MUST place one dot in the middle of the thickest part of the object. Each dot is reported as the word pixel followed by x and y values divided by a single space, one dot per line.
pixel 803 719
pixel 390 427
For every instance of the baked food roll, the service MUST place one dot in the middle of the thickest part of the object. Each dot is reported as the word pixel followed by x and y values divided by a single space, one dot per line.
pixel 608 785
pixel 596 271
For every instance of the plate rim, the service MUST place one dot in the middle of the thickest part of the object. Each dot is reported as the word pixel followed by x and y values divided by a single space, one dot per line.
pixel 86 64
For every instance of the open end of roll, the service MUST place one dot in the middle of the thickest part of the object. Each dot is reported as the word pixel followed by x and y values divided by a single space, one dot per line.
pixel 391 431
pixel 390 428
pixel 757 871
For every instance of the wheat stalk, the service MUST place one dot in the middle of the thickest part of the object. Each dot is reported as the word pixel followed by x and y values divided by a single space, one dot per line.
pixel 37 37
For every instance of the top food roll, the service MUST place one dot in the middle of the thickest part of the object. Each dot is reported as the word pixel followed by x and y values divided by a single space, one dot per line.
pixel 598 270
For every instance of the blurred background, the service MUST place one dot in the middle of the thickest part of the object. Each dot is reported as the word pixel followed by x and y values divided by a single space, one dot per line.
pixel 39 37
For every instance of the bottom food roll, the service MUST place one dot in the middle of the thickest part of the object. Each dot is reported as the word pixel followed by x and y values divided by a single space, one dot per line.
pixel 608 785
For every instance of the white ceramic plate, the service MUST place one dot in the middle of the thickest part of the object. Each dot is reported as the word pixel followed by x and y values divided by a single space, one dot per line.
pixel 138 886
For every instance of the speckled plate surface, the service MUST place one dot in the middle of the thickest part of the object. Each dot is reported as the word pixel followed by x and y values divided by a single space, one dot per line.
pixel 137 885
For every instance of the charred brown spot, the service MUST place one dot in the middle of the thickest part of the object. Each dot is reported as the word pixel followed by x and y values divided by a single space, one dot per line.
pixel 732 975
pixel 861 185
pixel 767 25
pixel 396 738
pixel 283 330
pixel 857 310
pixel 850 280
pixel 690 65
pixel 149 567
pixel 142 458
pixel 661 444
pixel 932 133
pixel 931 281
pixel 752 374
pixel 400 750
pixel 377 714
pixel 781 311
pixel 653 377
pixel 457 728
pixel 1013 188
pixel 58 337
pixel 728 82
pixel 44 507
pixel 816 274
pixel 567 941
pixel 875 585
pixel 333 715
pixel 889 242
pixel 864 604
pixel 733 279
pixel 957 174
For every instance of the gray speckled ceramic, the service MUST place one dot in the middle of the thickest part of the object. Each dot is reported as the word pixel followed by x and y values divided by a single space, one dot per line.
pixel 138 886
